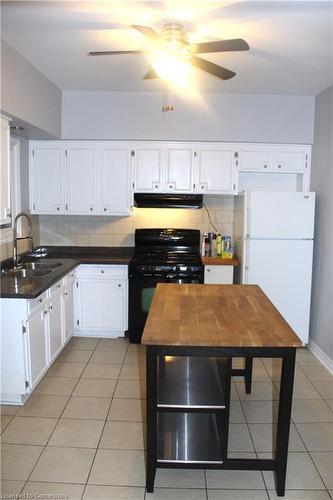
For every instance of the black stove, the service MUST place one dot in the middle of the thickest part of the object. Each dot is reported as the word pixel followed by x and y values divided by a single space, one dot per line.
pixel 161 256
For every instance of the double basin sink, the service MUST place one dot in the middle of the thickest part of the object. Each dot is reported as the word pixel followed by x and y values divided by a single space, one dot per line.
pixel 32 269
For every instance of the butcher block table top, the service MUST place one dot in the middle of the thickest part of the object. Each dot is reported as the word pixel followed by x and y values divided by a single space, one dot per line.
pixel 215 316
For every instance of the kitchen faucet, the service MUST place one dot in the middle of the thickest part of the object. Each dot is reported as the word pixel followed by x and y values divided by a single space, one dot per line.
pixel 15 238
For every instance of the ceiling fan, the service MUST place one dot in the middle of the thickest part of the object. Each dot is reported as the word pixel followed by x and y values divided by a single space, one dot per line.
pixel 174 39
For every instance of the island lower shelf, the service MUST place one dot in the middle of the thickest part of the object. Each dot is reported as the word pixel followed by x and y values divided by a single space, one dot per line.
pixel 191 383
pixel 188 438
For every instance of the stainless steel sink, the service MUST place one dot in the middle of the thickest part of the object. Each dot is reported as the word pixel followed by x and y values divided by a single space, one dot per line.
pixel 41 265
pixel 21 272
pixel 32 269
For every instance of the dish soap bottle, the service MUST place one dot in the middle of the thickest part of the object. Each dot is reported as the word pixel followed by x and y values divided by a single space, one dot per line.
pixel 203 244
pixel 219 245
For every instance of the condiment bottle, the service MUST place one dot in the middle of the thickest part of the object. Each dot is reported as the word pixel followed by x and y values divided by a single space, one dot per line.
pixel 213 246
pixel 203 244
pixel 219 245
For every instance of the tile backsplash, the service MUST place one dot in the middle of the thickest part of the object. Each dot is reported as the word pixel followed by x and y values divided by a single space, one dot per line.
pixel 119 231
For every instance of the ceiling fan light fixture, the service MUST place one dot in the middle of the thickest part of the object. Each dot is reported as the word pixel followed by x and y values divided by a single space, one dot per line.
pixel 171 68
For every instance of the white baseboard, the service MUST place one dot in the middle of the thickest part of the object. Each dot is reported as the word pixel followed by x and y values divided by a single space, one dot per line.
pixel 321 355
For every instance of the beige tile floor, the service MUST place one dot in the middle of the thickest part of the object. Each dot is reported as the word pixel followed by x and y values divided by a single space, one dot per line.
pixel 81 435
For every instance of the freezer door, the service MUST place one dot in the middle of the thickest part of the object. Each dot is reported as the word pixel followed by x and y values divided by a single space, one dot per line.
pixel 280 215
pixel 283 269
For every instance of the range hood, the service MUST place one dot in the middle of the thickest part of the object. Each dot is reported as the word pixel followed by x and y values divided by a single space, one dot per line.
pixel 156 200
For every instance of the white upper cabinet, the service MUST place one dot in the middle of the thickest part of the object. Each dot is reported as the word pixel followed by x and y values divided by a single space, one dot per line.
pixel 255 157
pixel 291 158
pixel 81 177
pixel 273 158
pixel 115 180
pixel 5 211
pixel 149 168
pixel 216 169
pixel 99 178
pixel 179 168
pixel 47 186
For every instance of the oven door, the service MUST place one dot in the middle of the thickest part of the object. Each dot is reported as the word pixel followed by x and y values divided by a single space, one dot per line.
pixel 141 292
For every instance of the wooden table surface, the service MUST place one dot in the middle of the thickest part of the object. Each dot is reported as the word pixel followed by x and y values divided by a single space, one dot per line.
pixel 218 261
pixel 215 316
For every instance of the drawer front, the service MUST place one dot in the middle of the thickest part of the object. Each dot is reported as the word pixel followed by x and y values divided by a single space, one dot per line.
pixel 108 270
pixel 70 277
pixel 56 287
pixel 34 303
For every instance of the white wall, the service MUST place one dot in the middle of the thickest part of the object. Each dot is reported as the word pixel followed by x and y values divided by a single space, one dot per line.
pixel 321 330
pixel 232 117
pixel 28 95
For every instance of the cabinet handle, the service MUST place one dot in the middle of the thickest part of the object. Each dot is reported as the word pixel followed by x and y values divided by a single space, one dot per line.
pixel 102 271
pixel 170 186
pixel 105 209
pixel 119 285
pixel 50 307
pixel 71 275
pixel 45 312
pixel 58 208
pixel 202 187
pixel 65 294
pixel 156 186
pixel 208 270
pixel 40 300
pixel 279 166
pixel 91 209
pixel 265 166
pixel 58 286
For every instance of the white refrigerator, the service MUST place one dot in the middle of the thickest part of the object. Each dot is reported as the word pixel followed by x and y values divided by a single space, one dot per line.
pixel 274 243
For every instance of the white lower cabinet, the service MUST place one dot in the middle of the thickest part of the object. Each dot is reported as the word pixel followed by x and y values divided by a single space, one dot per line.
pixel 36 346
pixel 219 275
pixel 54 313
pixel 68 307
pixel 32 336
pixel 101 301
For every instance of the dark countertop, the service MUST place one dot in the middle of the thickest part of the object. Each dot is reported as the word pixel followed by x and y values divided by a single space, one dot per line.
pixel 30 288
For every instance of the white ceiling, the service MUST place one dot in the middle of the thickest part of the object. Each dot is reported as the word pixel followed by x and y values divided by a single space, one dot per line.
pixel 290 42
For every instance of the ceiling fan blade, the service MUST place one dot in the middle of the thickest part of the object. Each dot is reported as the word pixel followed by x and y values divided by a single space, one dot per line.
pixel 213 69
pixel 147 31
pixel 219 46
pixel 114 52
pixel 151 74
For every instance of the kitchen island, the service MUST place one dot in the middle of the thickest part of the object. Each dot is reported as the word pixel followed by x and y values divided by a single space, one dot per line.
pixel 198 329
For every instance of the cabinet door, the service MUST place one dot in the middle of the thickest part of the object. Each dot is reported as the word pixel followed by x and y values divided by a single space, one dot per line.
pixel 255 158
pixel 102 305
pixel 81 169
pixel 5 212
pixel 47 178
pixel 114 180
pixel 179 169
pixel 55 325
pixel 219 275
pixel 36 345
pixel 149 167
pixel 68 311
pixel 215 170
pixel 290 159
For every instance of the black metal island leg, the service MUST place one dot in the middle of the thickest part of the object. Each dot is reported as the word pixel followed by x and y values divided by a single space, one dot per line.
pixel 248 375
pixel 151 385
pixel 283 426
